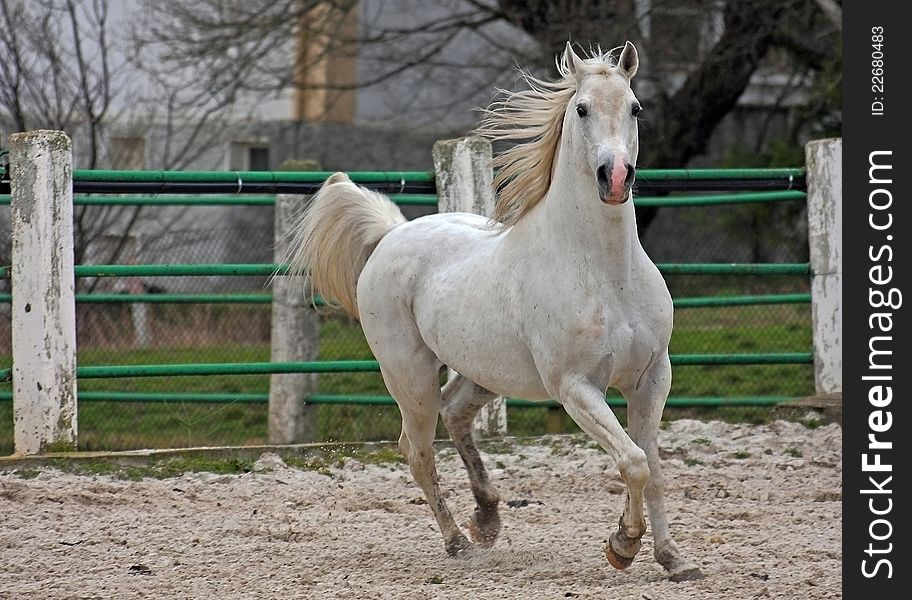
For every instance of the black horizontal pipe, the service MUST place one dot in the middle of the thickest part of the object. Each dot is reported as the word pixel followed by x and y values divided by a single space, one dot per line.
pixel 224 187
pixel 188 187
pixel 718 185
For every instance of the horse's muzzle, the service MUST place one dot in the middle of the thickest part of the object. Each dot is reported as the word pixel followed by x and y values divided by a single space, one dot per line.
pixel 614 181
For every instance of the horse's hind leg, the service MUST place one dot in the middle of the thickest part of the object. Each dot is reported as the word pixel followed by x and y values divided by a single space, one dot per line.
pixel 644 412
pixel 413 383
pixel 462 399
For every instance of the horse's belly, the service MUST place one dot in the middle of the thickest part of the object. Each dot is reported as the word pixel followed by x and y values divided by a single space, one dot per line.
pixel 496 361
pixel 471 331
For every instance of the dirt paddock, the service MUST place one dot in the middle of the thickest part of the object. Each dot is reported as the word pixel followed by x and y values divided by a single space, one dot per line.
pixel 757 507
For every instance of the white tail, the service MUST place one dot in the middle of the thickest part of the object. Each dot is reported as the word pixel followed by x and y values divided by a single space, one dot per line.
pixel 336 235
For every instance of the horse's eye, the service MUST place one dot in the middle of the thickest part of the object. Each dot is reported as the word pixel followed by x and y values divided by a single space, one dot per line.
pixel 635 109
pixel 581 110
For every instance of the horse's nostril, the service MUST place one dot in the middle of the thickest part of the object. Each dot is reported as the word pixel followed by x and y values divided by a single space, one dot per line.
pixel 631 175
pixel 601 174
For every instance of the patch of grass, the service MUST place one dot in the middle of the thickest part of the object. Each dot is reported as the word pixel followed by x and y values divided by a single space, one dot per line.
pixel 6 423
pixel 690 462
pixel 156 469
pixel 27 473
pixel 559 447
pixel 754 415
pixel 60 445
pixel 497 446
pixel 134 425
pixel 701 441
pixel 378 456
pixel 741 454
pixel 339 456
pixel 749 329
pixel 310 463
pixel 811 423
pixel 100 467
pixel 793 452
pixel 221 466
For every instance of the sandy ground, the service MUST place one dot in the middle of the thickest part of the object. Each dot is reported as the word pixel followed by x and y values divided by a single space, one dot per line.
pixel 758 507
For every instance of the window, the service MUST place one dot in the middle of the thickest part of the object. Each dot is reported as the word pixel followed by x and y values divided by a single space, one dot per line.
pixel 258 159
pixel 248 156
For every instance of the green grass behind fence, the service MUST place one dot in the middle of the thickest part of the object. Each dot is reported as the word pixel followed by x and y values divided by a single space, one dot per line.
pixel 120 425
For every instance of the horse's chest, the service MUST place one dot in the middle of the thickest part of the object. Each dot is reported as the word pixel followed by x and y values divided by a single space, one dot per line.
pixel 612 337
pixel 617 333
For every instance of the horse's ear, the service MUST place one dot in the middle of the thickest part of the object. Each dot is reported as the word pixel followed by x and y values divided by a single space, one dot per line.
pixel 573 62
pixel 629 62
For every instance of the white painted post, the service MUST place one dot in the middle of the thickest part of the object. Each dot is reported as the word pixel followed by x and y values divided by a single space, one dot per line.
pixel 139 314
pixel 465 184
pixel 139 311
pixel 44 307
pixel 295 337
pixel 824 201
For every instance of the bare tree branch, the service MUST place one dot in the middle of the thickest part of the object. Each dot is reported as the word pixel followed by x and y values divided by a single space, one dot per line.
pixel 63 67
pixel 11 68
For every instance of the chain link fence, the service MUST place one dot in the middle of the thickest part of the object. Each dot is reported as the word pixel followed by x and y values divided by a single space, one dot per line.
pixel 147 333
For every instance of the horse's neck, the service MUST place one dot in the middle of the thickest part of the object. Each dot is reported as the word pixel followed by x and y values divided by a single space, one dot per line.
pixel 571 220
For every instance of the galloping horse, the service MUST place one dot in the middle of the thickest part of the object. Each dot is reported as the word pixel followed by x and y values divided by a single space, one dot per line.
pixel 552 298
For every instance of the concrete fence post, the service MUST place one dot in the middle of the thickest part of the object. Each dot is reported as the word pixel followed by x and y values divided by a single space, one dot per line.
pixel 465 184
pixel 295 334
pixel 43 286
pixel 824 208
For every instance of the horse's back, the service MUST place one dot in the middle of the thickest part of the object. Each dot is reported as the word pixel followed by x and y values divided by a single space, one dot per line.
pixel 414 253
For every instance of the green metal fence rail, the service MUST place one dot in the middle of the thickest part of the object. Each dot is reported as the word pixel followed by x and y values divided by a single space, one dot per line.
pixel 268 269
pixel 242 182
pixel 362 366
pixel 696 302
pixel 753 300
pixel 688 402
pixel 735 269
pixel 718 199
pixel 212 200
pixel 379 400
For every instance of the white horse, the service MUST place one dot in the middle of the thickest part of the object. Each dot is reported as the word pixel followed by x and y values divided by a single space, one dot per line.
pixel 554 298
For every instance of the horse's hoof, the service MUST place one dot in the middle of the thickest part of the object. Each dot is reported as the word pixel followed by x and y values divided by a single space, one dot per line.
pixel 484 535
pixel 621 550
pixel 458 545
pixel 615 560
pixel 690 573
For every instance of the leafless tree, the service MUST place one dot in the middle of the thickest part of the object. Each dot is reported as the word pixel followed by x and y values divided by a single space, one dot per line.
pixel 696 66
pixel 68 65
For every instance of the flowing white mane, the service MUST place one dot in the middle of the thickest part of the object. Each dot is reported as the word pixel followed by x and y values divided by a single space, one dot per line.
pixel 533 117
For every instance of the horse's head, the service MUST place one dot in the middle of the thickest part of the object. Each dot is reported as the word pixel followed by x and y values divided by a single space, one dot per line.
pixel 601 121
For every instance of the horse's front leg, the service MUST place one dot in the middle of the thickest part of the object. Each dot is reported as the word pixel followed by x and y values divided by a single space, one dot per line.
pixel 645 403
pixel 586 405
